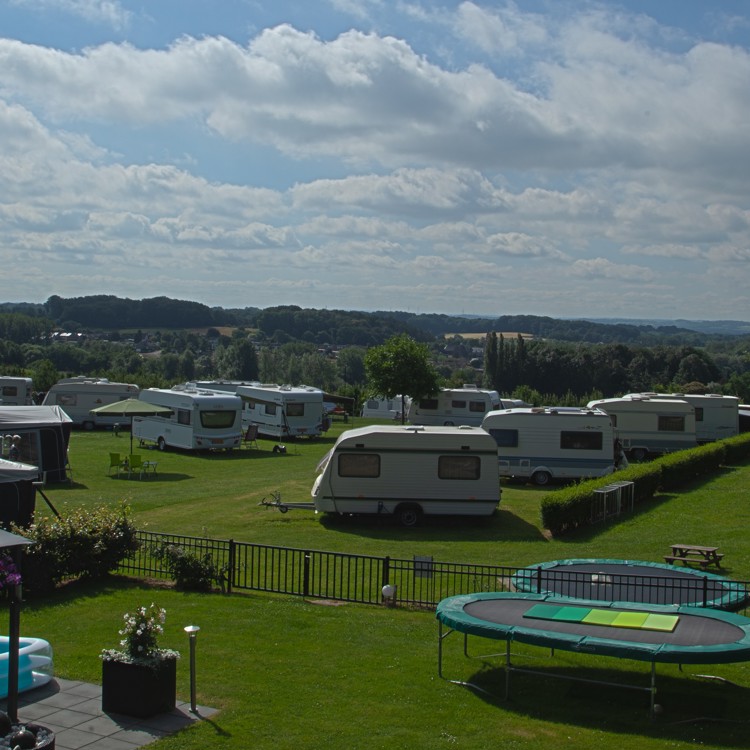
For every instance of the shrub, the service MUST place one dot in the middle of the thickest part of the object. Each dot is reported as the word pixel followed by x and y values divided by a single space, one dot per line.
pixel 189 571
pixel 683 467
pixel 738 448
pixel 83 542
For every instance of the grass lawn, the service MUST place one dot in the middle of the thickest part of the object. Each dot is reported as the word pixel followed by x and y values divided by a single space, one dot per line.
pixel 290 673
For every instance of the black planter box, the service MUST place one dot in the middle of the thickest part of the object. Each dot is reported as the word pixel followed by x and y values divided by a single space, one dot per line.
pixel 139 689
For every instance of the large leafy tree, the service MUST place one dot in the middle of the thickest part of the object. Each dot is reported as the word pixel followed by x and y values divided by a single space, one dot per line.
pixel 401 366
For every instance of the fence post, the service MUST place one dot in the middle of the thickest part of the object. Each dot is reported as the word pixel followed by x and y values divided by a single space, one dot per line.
pixel 539 580
pixel 306 575
pixel 386 571
pixel 705 591
pixel 231 565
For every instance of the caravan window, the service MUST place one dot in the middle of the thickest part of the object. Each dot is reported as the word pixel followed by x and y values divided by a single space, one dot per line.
pixel 459 467
pixel 217 420
pixel 270 410
pixel 428 403
pixel 478 406
pixel 183 416
pixel 698 413
pixel 458 404
pixel 505 438
pixel 581 441
pixel 295 410
pixel 9 390
pixel 359 465
pixel 671 424
pixel 66 399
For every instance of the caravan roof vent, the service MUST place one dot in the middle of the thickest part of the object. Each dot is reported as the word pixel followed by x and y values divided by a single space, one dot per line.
pixel 465 427
pixel 414 428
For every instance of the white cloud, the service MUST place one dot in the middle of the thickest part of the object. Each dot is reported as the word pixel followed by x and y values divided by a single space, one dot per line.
pixel 602 268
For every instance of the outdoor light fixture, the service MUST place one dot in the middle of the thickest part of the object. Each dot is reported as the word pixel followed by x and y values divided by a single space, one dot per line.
pixel 389 594
pixel 192 631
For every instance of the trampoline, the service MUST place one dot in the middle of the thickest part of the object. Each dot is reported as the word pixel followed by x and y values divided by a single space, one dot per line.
pixel 631 581
pixel 675 634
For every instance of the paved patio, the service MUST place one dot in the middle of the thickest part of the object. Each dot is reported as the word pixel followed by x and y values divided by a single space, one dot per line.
pixel 73 711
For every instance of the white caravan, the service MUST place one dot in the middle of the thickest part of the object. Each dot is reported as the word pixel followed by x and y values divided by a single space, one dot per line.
pixel 408 471
pixel 78 396
pixel 200 420
pixel 380 407
pixel 16 391
pixel 716 416
pixel 650 425
pixel 547 443
pixel 284 411
pixel 454 406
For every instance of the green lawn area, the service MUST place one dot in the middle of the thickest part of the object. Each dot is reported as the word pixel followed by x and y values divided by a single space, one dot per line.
pixel 291 673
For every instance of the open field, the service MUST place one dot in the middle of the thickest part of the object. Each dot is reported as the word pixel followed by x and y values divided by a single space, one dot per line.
pixel 290 673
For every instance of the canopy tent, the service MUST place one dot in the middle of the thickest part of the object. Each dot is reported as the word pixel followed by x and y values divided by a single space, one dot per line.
pixel 45 435
pixel 17 492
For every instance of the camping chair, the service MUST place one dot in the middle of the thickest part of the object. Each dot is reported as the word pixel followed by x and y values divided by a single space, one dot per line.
pixel 115 462
pixel 251 436
pixel 135 463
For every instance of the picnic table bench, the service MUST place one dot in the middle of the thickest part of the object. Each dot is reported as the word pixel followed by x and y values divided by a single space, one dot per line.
pixel 695 553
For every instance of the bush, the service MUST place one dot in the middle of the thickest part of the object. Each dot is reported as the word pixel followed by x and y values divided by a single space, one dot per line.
pixel 82 543
pixel 738 448
pixel 678 469
pixel 189 571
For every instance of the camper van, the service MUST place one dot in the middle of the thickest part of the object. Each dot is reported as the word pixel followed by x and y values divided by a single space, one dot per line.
pixel 380 407
pixel 78 396
pixel 200 420
pixel 407 471
pixel 16 391
pixel 716 416
pixel 454 406
pixel 646 425
pixel 284 411
pixel 546 443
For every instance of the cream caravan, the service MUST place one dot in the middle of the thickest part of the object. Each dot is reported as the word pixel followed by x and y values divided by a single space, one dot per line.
pixel 380 407
pixel 716 416
pixel 454 406
pixel 200 420
pixel 650 425
pixel 78 396
pixel 16 391
pixel 547 443
pixel 407 471
pixel 284 411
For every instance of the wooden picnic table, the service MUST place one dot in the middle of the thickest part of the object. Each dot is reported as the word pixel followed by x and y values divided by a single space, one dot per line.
pixel 695 553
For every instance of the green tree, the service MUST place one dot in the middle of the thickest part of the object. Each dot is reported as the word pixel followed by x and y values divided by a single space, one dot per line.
pixel 401 366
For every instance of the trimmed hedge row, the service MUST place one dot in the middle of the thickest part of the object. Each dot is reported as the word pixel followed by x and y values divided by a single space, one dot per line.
pixel 83 543
pixel 571 508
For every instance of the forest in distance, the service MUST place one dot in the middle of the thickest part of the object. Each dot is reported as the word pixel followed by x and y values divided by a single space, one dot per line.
pixel 160 342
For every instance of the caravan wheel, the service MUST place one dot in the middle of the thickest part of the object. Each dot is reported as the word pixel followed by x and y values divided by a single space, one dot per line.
pixel 408 515
pixel 541 478
pixel 638 454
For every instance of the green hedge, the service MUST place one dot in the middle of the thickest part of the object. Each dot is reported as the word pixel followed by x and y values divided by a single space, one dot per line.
pixel 81 543
pixel 571 507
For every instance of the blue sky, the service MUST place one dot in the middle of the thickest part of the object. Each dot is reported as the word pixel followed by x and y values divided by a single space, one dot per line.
pixel 545 158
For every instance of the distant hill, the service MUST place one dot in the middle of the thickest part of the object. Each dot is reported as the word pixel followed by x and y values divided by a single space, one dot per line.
pixel 351 327
pixel 723 327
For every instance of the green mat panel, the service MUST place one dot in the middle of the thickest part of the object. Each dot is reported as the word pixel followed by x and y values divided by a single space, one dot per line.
pixel 606 617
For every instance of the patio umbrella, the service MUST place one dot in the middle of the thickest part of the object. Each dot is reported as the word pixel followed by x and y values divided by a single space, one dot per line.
pixel 131 407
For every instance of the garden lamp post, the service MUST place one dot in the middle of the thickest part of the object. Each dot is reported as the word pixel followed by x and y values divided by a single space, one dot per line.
pixel 192 631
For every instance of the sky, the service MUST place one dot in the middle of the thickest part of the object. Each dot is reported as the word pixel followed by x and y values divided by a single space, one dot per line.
pixel 567 159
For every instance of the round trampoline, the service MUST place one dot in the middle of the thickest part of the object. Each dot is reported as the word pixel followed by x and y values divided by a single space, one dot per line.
pixel 646 632
pixel 631 581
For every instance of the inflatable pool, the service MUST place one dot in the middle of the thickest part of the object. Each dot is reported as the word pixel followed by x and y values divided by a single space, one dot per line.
pixel 34 664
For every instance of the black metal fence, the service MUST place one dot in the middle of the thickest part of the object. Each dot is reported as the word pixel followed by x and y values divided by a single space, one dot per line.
pixel 420 581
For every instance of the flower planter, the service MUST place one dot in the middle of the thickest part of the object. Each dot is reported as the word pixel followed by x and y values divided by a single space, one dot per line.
pixel 137 689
